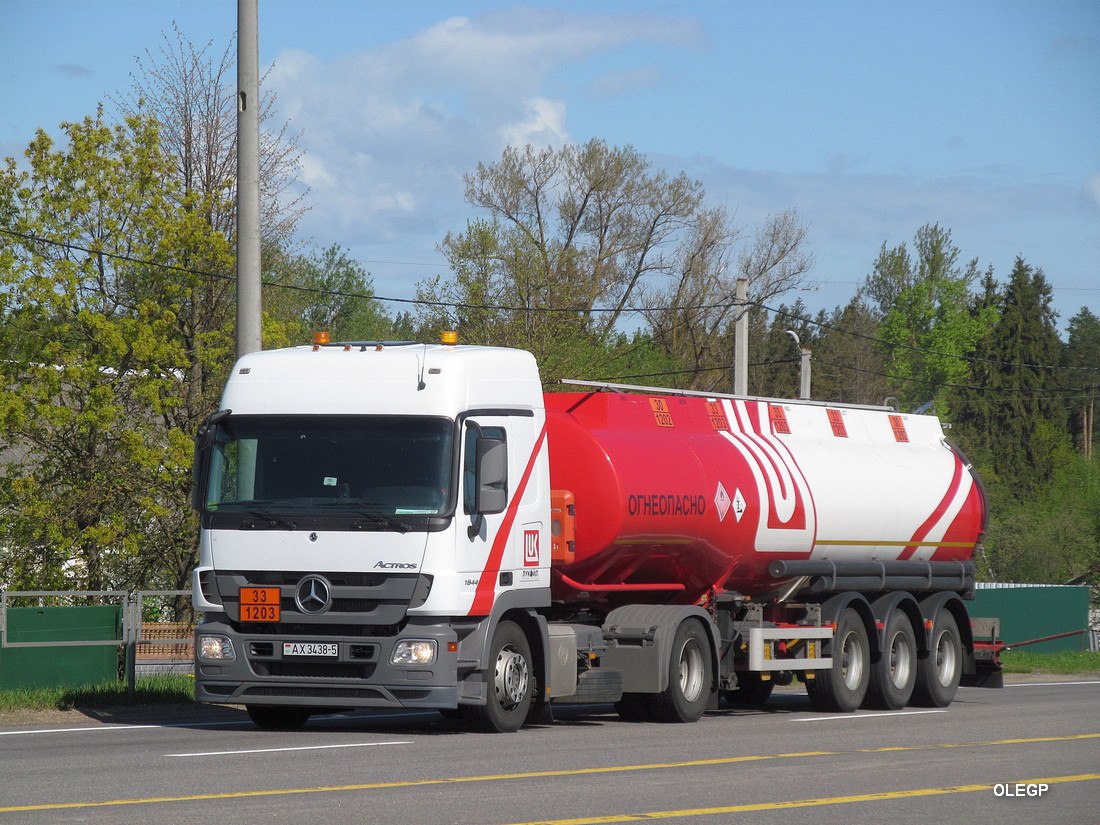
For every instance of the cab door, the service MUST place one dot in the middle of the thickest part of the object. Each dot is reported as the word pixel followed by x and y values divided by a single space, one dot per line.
pixel 503 511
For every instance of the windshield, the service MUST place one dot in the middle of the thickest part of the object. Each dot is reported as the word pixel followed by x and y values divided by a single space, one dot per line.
pixel 378 464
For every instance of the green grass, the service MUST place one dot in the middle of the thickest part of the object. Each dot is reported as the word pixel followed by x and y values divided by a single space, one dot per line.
pixel 1023 661
pixel 150 690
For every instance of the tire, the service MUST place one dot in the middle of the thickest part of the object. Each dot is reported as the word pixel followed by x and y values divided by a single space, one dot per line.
pixel 278 717
pixel 841 689
pixel 689 677
pixel 510 682
pixel 751 691
pixel 894 675
pixel 939 672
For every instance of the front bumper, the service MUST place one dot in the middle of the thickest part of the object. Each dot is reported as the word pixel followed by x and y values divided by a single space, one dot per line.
pixel 361 675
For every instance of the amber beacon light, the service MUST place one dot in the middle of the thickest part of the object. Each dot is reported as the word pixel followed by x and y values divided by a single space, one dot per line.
pixel 450 338
pixel 321 338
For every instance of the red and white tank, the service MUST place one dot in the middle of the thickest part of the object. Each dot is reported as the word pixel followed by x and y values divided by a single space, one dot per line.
pixel 675 496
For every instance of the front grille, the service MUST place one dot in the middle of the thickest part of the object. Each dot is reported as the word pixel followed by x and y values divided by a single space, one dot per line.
pixel 359 599
pixel 270 578
pixel 338 605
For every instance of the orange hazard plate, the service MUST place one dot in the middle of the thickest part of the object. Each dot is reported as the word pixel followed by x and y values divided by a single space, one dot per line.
pixel 260 604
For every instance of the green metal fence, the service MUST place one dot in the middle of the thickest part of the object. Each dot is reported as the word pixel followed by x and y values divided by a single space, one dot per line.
pixel 101 636
pixel 1054 613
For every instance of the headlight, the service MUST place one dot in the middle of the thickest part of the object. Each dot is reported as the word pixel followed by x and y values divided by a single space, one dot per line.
pixel 413 652
pixel 215 649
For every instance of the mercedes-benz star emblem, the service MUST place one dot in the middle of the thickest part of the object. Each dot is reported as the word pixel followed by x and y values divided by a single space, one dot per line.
pixel 314 595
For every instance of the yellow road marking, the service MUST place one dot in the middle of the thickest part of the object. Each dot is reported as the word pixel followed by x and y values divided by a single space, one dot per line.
pixel 798 803
pixel 727 760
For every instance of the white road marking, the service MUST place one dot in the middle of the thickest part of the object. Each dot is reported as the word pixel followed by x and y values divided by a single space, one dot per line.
pixel 284 750
pixel 227 722
pixel 843 716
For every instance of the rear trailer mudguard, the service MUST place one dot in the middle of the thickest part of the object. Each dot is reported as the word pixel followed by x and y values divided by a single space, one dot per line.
pixel 639 641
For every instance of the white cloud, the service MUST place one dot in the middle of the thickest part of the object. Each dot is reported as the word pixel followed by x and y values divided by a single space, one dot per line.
pixel 313 171
pixel 1092 189
pixel 544 126
pixel 389 132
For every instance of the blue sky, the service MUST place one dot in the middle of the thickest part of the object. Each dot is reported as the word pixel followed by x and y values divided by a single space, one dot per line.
pixel 869 118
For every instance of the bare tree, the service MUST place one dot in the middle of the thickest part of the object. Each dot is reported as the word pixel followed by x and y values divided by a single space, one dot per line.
pixel 594 221
pixel 692 314
pixel 191 92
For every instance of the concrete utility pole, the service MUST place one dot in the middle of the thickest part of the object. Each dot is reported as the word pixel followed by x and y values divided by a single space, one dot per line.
pixel 804 367
pixel 249 334
pixel 741 340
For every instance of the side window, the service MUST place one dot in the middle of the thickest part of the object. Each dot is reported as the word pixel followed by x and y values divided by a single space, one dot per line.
pixel 468 458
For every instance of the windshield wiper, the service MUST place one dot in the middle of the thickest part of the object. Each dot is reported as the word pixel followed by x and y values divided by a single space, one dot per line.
pixel 374 515
pixel 274 519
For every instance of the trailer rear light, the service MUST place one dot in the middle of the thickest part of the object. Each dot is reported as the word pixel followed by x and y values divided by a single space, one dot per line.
pixel 215 649
pixel 413 652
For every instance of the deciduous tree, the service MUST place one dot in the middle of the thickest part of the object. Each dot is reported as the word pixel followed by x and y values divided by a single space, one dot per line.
pixel 99 269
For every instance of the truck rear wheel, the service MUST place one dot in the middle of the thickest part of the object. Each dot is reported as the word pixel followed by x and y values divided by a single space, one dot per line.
pixel 894 675
pixel 510 685
pixel 689 677
pixel 278 717
pixel 938 673
pixel 841 688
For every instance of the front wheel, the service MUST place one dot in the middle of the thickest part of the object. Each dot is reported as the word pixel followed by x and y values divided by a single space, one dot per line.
pixel 939 673
pixel 510 683
pixel 689 676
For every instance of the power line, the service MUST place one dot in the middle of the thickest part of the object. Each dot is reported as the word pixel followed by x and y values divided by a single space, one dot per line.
pixel 726 304
pixel 342 294
pixel 970 358
pixel 1060 392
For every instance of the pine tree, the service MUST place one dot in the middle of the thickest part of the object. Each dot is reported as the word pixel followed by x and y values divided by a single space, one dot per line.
pixel 1013 420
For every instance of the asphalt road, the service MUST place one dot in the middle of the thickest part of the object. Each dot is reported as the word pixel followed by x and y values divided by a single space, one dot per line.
pixel 1029 753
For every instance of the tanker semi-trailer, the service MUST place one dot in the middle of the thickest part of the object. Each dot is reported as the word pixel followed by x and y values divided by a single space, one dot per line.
pixel 409 525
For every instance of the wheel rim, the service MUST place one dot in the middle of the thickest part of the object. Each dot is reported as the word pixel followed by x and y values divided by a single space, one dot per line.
pixel 901 660
pixel 852 663
pixel 511 677
pixel 946 661
pixel 691 671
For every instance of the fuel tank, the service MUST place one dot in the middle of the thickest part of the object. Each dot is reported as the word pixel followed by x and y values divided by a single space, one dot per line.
pixel 666 498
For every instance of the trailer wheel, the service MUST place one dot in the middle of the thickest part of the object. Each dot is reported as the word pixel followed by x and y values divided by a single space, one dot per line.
pixel 510 684
pixel 689 677
pixel 939 672
pixel 278 717
pixel 842 688
pixel 894 675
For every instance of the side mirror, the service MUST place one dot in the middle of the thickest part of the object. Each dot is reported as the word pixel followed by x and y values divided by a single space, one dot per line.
pixel 491 462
